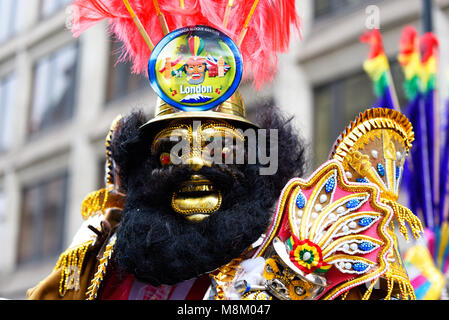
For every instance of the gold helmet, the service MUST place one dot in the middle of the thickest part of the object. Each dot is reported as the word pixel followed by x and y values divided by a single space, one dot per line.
pixel 232 110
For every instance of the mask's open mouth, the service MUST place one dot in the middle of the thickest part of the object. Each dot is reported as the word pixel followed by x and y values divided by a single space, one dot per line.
pixel 196 198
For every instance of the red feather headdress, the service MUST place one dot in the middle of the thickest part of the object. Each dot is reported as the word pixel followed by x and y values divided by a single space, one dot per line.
pixel 261 28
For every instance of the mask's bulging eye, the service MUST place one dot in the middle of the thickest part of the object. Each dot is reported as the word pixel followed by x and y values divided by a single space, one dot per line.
pixel 165 158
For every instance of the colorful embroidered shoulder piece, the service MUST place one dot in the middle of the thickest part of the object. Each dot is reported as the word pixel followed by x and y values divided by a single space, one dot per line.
pixel 328 235
pixel 373 148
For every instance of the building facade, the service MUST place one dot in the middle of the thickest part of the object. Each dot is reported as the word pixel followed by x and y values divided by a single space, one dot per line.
pixel 59 95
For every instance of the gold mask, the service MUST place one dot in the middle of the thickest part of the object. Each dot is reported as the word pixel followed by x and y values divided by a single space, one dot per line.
pixel 189 142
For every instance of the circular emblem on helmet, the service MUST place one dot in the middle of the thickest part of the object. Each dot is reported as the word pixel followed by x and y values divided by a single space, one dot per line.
pixel 195 68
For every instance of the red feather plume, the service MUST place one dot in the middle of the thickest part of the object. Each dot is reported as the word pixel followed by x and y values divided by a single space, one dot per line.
pixel 270 29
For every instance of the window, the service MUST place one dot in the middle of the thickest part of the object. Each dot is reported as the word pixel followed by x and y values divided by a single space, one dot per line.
pixel 54 88
pixel 2 217
pixel 329 7
pixel 121 82
pixel 338 102
pixel 7 90
pixel 11 17
pixel 49 7
pixel 42 220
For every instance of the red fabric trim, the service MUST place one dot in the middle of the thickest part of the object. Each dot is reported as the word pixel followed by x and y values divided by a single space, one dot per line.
pixel 199 288
pixel 116 287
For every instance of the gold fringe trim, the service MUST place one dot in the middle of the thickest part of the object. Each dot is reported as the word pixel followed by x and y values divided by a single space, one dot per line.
pixel 99 200
pixel 71 262
pixel 368 292
pixel 403 215
pixel 92 291
pixel 405 287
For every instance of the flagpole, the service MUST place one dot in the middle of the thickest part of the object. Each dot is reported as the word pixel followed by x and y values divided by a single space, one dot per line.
pixel 427 15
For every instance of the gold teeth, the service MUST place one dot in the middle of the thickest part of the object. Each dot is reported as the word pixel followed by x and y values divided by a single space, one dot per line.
pixel 197 183
pixel 377 118
pixel 197 188
pixel 199 210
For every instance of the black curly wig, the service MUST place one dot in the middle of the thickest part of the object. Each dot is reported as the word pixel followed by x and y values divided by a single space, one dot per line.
pixel 157 245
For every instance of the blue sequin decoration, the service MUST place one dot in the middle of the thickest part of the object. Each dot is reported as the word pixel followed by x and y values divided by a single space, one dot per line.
pixel 366 246
pixel 362 180
pixel 365 221
pixel 330 185
pixel 359 267
pixel 351 204
pixel 300 201
pixel 381 169
pixel 398 172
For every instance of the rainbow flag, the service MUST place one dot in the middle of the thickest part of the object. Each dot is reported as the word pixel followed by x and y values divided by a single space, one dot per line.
pixel 410 60
pixel 426 171
pixel 418 170
pixel 378 69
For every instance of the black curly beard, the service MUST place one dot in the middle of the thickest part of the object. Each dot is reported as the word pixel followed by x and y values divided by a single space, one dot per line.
pixel 159 246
